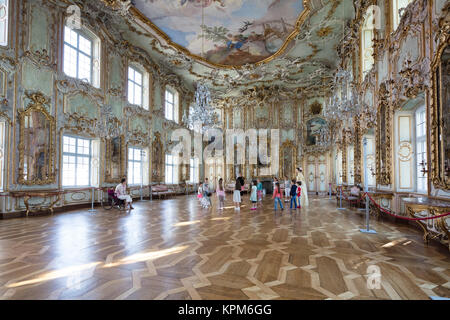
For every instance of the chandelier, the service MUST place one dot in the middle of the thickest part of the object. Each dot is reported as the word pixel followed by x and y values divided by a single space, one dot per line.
pixel 344 103
pixel 202 115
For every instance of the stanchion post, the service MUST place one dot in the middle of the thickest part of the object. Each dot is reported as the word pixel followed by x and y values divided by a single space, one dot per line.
pixel 92 200
pixel 366 190
pixel 340 199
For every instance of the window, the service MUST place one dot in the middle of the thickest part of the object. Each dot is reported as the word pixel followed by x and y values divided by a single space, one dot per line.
pixel 398 5
pixel 77 156
pixel 81 56
pixel 2 153
pixel 136 161
pixel 135 86
pixel 171 105
pixel 421 149
pixel 4 13
pixel 138 86
pixel 171 169
pixel 193 170
pixel 367 33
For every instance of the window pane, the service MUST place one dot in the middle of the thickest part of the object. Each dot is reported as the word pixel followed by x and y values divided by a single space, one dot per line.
pixel 70 61
pixel 137 95
pixel 130 73
pixel 85 45
pixel 84 70
pixel 138 77
pixel 130 92
pixel 70 36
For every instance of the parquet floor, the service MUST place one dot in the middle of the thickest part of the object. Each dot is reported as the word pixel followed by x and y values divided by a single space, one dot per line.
pixel 174 249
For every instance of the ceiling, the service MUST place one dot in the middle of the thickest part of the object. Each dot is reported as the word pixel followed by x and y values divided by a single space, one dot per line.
pixel 286 43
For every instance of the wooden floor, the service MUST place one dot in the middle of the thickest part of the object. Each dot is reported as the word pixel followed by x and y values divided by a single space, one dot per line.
pixel 174 249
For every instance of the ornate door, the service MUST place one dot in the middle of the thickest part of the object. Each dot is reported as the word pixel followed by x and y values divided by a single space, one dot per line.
pixel 316 174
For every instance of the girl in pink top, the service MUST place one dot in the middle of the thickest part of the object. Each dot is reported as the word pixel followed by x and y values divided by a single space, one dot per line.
pixel 221 194
pixel 277 195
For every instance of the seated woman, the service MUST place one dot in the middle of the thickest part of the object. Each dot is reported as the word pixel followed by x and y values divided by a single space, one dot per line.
pixel 121 193
pixel 354 191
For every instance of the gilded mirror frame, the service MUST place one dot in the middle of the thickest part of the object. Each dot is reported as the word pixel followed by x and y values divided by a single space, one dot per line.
pixel 288 145
pixel 383 147
pixel 438 176
pixel 109 162
pixel 37 104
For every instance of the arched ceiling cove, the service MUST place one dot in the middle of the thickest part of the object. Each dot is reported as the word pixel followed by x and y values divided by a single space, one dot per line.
pixel 293 50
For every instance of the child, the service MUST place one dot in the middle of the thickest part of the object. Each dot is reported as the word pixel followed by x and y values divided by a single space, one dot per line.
pixel 237 195
pixel 260 191
pixel 299 194
pixel 293 194
pixel 221 194
pixel 253 197
pixel 287 189
pixel 206 193
pixel 277 195
pixel 200 192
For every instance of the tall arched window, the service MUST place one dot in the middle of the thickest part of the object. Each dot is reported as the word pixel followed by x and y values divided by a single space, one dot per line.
pixel 367 33
pixel 398 5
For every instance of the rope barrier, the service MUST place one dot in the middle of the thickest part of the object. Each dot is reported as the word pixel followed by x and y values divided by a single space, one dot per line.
pixel 402 217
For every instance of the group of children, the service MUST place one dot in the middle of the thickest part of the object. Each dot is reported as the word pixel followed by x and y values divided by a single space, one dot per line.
pixel 256 193
pixel 292 192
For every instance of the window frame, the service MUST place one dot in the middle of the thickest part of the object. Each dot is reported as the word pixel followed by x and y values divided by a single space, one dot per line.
pixel 145 85
pixel 367 26
pixel 77 155
pixel 79 33
pixel 166 102
pixel 194 170
pixel 174 167
pixel 96 52
pixel 141 164
pixel 395 16
pixel 422 139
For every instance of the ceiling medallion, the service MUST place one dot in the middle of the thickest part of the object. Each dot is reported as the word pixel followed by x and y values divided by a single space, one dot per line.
pixel 263 35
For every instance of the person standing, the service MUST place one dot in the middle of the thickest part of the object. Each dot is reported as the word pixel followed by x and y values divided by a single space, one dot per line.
pixel 287 189
pixel 260 191
pixel 277 196
pixel 304 195
pixel 293 194
pixel 206 192
pixel 253 195
pixel 237 195
pixel 299 194
pixel 242 182
pixel 221 194
pixel 121 193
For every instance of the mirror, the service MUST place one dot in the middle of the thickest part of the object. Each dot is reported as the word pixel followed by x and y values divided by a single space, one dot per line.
pixel 157 158
pixel 114 159
pixel 383 138
pixel 440 118
pixel 288 152
pixel 36 143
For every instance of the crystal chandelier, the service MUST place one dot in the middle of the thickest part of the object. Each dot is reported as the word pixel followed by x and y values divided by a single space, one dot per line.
pixel 202 115
pixel 344 103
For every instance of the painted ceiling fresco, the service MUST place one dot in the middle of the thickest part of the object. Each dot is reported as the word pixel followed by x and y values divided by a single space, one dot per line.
pixel 226 32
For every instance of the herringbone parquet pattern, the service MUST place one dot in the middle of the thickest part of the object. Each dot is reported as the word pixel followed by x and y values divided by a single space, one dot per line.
pixel 174 249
